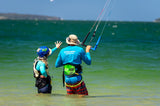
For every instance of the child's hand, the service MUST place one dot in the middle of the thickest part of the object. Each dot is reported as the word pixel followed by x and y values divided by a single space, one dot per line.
pixel 41 76
pixel 58 44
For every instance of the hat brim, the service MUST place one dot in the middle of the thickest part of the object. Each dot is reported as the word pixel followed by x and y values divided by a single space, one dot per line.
pixel 74 43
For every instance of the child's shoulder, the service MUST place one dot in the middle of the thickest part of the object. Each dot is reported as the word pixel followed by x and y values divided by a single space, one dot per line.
pixel 40 63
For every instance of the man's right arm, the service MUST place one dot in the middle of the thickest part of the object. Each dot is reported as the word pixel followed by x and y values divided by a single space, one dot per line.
pixel 86 56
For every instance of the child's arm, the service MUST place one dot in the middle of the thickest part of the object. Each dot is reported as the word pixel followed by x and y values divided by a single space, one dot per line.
pixel 58 44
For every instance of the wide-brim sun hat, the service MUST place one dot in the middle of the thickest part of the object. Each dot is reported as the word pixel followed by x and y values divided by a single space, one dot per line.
pixel 72 39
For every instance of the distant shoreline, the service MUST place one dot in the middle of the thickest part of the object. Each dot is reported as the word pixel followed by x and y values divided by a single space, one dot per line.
pixel 157 20
pixel 15 16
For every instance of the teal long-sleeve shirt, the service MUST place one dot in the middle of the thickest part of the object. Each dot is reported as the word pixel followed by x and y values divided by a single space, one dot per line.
pixel 72 55
pixel 41 66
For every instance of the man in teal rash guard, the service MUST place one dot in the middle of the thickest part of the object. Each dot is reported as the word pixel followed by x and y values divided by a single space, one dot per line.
pixel 40 68
pixel 71 58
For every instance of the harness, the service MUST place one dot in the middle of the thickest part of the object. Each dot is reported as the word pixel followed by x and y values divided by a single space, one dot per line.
pixel 71 70
pixel 36 73
pixel 40 82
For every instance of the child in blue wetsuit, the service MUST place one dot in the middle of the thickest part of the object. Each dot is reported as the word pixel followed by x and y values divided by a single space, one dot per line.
pixel 71 58
pixel 40 68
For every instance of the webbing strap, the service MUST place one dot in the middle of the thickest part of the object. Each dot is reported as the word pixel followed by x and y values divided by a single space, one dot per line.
pixel 74 85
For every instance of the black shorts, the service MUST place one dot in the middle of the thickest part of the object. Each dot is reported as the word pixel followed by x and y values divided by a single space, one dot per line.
pixel 44 85
pixel 46 89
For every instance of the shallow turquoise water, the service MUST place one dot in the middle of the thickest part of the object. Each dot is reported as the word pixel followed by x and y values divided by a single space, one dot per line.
pixel 125 67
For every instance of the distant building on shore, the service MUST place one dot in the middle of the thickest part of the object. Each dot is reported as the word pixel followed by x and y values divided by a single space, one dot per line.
pixel 157 20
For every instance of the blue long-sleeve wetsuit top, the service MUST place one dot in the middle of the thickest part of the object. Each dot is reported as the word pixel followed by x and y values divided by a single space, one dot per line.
pixel 72 55
pixel 41 66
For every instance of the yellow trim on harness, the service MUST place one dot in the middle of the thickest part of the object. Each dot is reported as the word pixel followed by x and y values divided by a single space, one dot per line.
pixel 73 85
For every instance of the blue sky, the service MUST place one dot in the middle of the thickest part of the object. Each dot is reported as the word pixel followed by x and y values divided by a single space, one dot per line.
pixel 122 10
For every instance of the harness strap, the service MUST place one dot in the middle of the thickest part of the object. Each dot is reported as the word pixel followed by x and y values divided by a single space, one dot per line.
pixel 78 83
pixel 63 77
pixel 35 71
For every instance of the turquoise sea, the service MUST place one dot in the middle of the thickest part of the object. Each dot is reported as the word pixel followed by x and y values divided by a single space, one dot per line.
pixel 125 68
